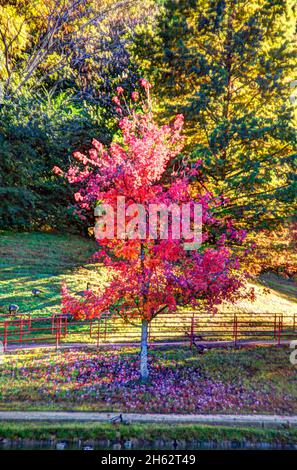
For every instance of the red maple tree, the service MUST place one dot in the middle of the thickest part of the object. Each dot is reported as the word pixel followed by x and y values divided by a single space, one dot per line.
pixel 150 275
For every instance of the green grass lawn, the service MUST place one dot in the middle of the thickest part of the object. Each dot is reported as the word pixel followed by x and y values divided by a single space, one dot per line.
pixel 108 433
pixel 43 260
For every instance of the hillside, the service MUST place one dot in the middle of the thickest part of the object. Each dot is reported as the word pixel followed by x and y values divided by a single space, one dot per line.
pixel 43 260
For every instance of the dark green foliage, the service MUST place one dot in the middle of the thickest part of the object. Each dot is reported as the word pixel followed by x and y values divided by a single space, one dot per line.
pixel 229 67
pixel 37 133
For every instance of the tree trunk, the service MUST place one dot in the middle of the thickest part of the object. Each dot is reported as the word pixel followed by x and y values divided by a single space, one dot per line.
pixel 144 373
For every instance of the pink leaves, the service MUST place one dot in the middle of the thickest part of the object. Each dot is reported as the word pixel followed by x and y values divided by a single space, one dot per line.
pixel 141 161
pixel 120 90
pixel 178 122
pixel 78 197
pixel 58 171
pixel 139 168
pixel 145 84
pixel 135 96
pixel 108 380
pixel 116 101
pixel 98 146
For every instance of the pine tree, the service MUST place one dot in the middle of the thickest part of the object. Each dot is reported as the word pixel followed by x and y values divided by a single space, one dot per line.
pixel 228 66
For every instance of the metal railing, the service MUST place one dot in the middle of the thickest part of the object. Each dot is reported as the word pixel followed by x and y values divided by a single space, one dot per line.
pixel 180 328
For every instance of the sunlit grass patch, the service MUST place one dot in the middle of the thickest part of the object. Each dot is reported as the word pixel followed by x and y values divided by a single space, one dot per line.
pixel 43 260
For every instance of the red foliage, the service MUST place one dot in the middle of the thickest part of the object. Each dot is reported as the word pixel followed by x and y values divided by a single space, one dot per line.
pixel 150 276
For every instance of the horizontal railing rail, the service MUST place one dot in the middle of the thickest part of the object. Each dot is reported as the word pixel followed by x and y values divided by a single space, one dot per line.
pixel 184 327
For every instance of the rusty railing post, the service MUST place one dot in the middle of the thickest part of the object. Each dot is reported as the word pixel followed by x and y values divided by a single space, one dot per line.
pixel 233 326
pixel 105 327
pixel 235 330
pixel 65 326
pixel 279 331
pixel 29 323
pixel 149 331
pixel 57 320
pixel 21 330
pixel 53 322
pixel 192 332
pixel 98 333
pixel 5 336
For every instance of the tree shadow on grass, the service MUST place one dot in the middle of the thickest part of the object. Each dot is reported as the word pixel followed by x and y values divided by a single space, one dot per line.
pixel 41 260
pixel 285 287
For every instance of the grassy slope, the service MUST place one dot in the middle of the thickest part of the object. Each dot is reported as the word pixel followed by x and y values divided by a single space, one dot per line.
pixel 273 295
pixel 43 260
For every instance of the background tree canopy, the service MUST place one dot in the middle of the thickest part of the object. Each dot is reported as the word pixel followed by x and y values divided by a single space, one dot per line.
pixel 229 66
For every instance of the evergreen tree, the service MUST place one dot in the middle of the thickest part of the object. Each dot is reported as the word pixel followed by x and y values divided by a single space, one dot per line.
pixel 228 66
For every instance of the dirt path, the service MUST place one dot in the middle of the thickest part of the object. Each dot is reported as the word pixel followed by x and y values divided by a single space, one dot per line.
pixel 215 419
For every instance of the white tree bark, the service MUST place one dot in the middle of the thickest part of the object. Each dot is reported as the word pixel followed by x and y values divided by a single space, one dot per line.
pixel 144 373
